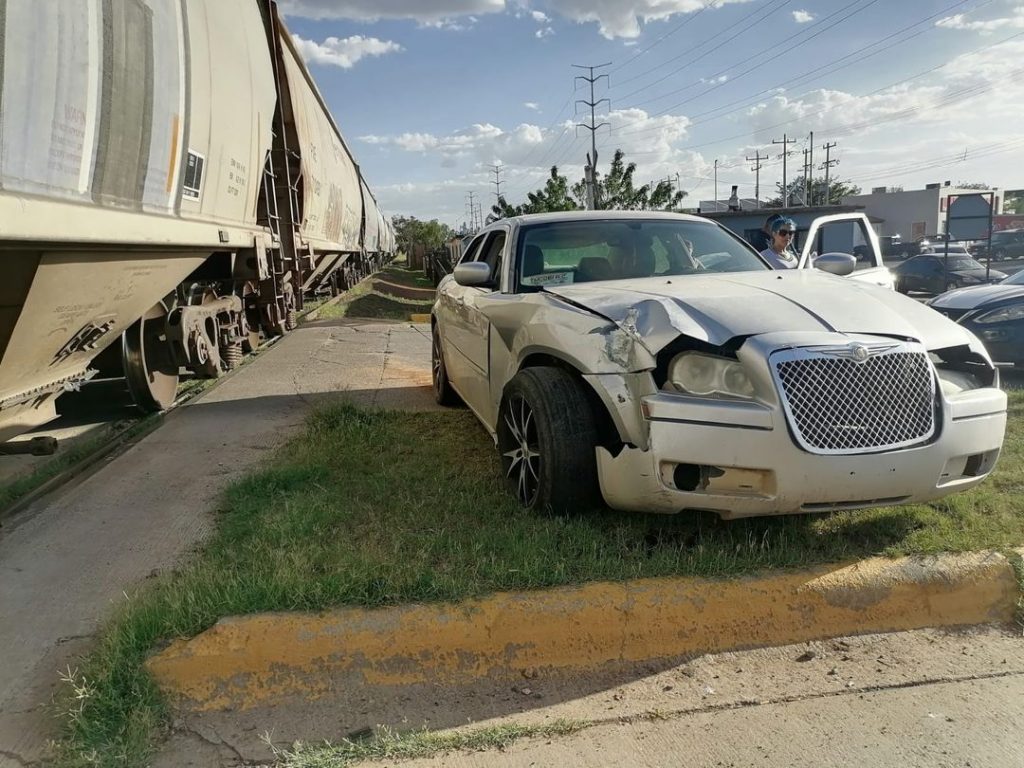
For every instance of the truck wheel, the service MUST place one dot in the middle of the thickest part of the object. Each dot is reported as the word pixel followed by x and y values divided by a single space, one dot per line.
pixel 547 434
pixel 443 392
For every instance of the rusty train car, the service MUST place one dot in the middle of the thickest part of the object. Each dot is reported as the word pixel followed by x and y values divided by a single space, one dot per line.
pixel 172 185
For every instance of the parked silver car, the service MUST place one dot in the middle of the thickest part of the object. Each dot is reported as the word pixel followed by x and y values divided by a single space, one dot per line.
pixel 656 362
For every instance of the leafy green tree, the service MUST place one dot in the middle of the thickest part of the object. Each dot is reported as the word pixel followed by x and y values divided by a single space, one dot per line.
pixel 553 196
pixel 431 234
pixel 837 190
pixel 1014 202
pixel 616 190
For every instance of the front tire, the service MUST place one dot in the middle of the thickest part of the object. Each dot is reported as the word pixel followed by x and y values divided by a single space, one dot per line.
pixel 547 435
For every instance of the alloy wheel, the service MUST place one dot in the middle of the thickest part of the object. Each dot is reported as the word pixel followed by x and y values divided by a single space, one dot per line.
pixel 521 450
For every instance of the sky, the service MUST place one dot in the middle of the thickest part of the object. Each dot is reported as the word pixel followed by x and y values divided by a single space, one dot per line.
pixel 432 94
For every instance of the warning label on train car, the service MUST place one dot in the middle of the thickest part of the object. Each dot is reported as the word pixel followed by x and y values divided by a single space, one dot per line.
pixel 193 182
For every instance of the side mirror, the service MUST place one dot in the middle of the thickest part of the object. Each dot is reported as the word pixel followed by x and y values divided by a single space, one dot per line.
pixel 472 273
pixel 841 264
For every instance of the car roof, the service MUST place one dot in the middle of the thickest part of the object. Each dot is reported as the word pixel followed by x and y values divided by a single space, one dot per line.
pixel 570 216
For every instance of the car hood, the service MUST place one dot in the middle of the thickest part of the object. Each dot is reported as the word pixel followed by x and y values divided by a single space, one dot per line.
pixel 975 296
pixel 717 308
pixel 979 274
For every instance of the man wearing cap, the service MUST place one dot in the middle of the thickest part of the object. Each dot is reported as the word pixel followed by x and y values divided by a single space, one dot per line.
pixel 779 253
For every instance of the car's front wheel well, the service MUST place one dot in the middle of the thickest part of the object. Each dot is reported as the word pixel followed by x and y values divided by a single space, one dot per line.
pixel 607 433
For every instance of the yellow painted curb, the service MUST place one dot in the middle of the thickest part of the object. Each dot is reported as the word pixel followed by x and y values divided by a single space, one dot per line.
pixel 417 318
pixel 246 661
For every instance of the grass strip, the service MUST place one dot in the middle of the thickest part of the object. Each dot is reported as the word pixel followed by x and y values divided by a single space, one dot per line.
pixel 378 307
pixel 374 508
pixel 388 745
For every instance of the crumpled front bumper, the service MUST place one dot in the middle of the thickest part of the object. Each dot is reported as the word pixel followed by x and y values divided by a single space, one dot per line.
pixel 739 459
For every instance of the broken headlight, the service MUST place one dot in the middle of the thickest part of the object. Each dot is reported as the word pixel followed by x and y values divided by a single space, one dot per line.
pixel 700 374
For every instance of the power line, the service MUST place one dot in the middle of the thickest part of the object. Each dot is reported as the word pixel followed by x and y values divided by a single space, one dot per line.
pixel 756 160
pixel 772 51
pixel 671 32
pixel 785 142
pixel 496 170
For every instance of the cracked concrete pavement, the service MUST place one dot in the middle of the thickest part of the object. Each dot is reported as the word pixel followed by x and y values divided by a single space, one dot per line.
pixel 922 698
pixel 66 560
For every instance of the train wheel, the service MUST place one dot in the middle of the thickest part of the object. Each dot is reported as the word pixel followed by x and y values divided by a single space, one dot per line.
pixel 149 365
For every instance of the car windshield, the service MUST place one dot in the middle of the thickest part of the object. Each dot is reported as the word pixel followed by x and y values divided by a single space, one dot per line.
pixel 1017 278
pixel 566 252
pixel 962 262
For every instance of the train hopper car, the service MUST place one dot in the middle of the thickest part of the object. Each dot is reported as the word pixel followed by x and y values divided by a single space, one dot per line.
pixel 169 177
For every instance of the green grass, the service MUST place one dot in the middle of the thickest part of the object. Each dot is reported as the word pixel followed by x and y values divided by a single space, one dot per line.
pixel 374 508
pixel 401 276
pixel 393 746
pixel 378 307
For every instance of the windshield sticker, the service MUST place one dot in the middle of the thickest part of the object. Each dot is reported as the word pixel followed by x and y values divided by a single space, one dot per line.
pixel 549 278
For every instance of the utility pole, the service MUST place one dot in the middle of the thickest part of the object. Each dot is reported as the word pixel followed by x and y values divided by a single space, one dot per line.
pixel 756 160
pixel 472 211
pixel 785 142
pixel 829 162
pixel 592 126
pixel 810 162
pixel 496 170
pixel 716 185
pixel 807 173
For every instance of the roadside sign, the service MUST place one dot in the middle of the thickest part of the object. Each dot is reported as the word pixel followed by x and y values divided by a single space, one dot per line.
pixel 969 217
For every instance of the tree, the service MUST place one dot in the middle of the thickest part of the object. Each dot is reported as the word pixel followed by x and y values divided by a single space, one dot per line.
pixel 838 189
pixel 1013 202
pixel 615 190
pixel 409 230
pixel 553 196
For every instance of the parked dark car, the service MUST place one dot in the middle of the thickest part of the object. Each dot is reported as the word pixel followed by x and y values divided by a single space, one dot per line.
pixel 926 273
pixel 892 247
pixel 993 313
pixel 1008 244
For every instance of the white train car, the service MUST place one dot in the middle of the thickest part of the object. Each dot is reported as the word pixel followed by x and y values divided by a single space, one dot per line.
pixel 170 178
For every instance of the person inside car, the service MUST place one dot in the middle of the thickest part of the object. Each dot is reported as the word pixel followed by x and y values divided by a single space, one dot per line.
pixel 779 254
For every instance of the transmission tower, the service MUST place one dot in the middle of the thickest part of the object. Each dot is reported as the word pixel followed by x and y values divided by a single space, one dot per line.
pixel 592 126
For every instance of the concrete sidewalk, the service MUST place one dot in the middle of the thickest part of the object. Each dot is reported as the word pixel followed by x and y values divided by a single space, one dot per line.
pixel 66 561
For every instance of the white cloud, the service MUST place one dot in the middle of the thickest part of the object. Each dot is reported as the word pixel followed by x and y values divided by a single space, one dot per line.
pixel 344 52
pixel 532 105
pixel 960 22
pixel 423 11
pixel 540 17
pixel 540 34
pixel 623 18
pixel 715 80
pixel 802 17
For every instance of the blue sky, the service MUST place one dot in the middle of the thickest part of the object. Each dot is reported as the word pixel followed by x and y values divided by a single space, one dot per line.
pixel 430 93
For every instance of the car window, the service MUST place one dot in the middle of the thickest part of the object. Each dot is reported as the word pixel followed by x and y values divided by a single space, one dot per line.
pixel 490 253
pixel 565 252
pixel 473 249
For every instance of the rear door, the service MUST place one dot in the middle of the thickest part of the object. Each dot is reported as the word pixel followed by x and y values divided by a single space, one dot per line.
pixel 841 233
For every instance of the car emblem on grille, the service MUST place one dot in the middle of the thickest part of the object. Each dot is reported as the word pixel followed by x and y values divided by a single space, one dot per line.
pixel 855 351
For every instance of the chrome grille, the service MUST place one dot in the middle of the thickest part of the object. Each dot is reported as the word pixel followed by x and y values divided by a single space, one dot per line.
pixel 836 404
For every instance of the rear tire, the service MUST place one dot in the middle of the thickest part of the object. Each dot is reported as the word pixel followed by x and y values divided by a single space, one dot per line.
pixel 547 435
pixel 443 392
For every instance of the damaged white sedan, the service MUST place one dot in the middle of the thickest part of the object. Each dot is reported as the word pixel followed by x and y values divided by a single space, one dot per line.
pixel 656 362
